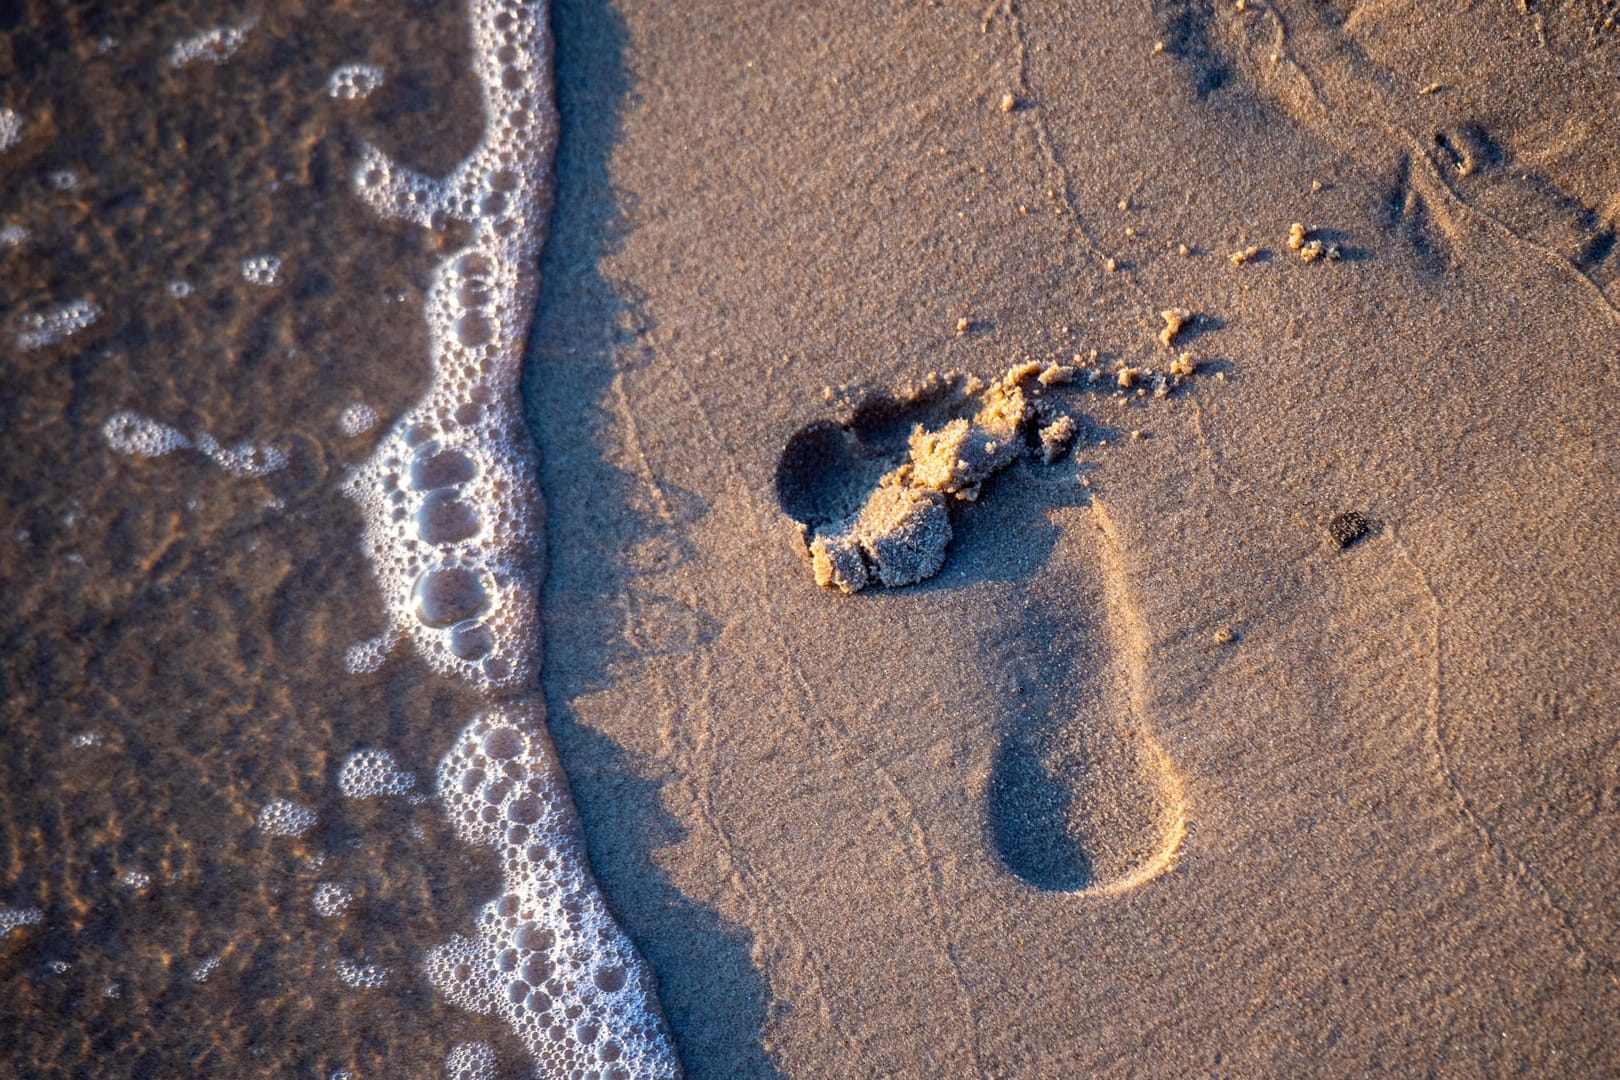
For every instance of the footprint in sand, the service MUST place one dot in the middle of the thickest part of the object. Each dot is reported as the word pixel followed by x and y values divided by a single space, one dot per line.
pixel 1081 797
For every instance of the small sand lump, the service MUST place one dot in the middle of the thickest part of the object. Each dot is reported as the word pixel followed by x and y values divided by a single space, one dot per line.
pixel 1300 240
pixel 900 534
pixel 1056 437
pixel 1175 321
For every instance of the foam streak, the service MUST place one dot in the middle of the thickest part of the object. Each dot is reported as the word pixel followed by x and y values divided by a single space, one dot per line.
pixel 453 529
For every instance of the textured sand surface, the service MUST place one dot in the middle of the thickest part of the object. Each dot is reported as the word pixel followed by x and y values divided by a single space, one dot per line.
pixel 1162 773
pixel 874 834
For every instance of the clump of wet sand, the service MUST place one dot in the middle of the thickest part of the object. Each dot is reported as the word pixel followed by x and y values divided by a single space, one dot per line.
pixel 900 534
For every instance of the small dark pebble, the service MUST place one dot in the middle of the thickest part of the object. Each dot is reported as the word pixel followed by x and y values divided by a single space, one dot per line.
pixel 1346 528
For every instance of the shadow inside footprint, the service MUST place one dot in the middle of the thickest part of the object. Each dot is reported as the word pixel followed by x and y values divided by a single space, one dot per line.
pixel 1030 810
pixel 1081 797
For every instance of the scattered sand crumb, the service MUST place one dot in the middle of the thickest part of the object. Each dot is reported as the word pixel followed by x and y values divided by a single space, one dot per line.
pixel 1300 240
pixel 1223 635
pixel 1183 364
pixel 1240 257
pixel 1008 103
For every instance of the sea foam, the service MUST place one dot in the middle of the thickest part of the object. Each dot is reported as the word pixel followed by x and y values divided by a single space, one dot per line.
pixel 452 528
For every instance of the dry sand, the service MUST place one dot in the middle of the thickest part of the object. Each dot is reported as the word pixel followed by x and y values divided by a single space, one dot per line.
pixel 1154 777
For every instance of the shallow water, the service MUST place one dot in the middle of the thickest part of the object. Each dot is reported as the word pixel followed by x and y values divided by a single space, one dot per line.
pixel 173 630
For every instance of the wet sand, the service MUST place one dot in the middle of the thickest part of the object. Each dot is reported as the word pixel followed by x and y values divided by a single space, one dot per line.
pixel 1153 778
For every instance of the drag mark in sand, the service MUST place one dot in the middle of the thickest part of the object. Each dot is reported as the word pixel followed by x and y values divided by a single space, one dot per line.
pixel 453 532
pixel 1497 849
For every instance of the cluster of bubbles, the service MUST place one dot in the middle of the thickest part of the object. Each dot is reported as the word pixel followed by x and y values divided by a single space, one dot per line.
pixel 283 817
pixel 547 956
pixel 351 82
pixel 365 976
pixel 331 899
pixel 448 496
pixel 215 46
pixel 134 435
pixel 37 329
pixel 367 774
pixel 13 917
pixel 357 419
pixel 263 270
pixel 13 236
pixel 471 1061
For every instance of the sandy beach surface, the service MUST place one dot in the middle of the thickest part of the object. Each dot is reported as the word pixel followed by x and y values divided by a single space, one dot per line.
pixel 1268 729
pixel 1397 778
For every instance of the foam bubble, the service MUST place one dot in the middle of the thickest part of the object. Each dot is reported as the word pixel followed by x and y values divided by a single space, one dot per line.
pixel 357 419
pixel 205 968
pixel 351 82
pixel 282 817
pixel 262 270
pixel 466 441
pixel 13 236
pixel 63 180
pixel 12 917
pixel 37 329
pixel 214 46
pixel 135 879
pixel 132 434
pixel 366 976
pixel 180 289
pixel 11 129
pixel 331 899
pixel 367 774
pixel 471 1061
pixel 243 459
pixel 367 656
